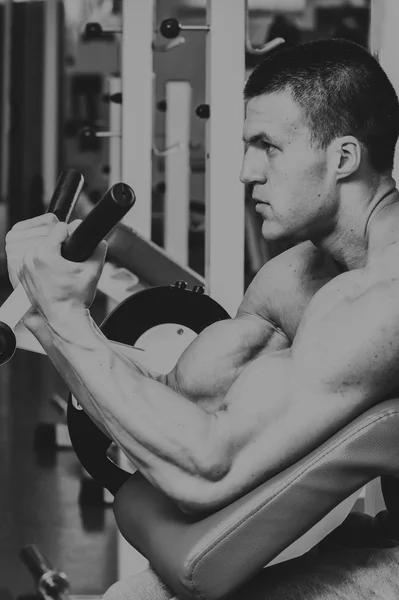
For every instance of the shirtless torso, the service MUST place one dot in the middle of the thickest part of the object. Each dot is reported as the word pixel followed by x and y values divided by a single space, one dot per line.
pixel 310 348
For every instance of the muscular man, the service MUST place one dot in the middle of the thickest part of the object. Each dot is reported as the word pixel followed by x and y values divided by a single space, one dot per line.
pixel 315 341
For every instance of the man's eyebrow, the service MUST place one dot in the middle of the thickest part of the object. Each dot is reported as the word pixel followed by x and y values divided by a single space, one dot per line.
pixel 258 137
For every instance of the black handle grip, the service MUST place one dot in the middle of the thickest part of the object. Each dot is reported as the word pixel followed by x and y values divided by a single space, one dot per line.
pixel 35 561
pixel 66 194
pixel 99 223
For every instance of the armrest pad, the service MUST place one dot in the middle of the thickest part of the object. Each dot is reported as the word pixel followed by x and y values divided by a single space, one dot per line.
pixel 211 557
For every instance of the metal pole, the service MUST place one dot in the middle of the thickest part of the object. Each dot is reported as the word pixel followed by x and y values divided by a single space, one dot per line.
pixel 5 124
pixel 177 170
pixel 50 99
pixel 115 123
pixel 137 105
pixel 224 202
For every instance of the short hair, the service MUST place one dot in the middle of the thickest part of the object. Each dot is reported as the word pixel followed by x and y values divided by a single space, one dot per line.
pixel 341 89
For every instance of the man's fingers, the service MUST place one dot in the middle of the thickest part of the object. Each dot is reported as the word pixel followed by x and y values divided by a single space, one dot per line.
pixel 31 229
pixel 23 235
pixel 100 252
pixel 20 246
pixel 73 225
pixel 46 219
pixel 56 237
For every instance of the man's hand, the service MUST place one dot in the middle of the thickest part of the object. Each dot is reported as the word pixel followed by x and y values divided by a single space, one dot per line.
pixel 25 237
pixel 53 284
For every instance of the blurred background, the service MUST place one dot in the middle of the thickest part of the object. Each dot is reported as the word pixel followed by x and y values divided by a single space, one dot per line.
pixel 83 67
pixel 59 91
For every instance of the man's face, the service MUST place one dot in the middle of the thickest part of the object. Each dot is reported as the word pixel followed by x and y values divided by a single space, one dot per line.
pixel 292 186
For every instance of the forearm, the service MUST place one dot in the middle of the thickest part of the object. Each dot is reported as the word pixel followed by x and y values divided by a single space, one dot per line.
pixel 168 438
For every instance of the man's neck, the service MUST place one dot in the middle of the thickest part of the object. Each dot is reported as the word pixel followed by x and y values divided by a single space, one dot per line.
pixel 359 226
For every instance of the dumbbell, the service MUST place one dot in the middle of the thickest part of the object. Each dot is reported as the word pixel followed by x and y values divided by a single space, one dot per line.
pixel 115 203
pixel 51 584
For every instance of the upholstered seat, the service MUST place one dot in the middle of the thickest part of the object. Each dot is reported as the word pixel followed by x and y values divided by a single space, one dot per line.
pixel 211 557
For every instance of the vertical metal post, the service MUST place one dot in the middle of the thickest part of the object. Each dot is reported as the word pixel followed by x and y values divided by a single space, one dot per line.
pixel 115 125
pixel 177 170
pixel 6 459
pixel 224 207
pixel 5 124
pixel 137 135
pixel 50 98
pixel 137 67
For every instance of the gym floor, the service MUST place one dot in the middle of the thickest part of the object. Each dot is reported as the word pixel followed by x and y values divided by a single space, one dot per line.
pixel 39 490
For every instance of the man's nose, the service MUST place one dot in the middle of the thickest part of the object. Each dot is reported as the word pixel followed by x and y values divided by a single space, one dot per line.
pixel 253 168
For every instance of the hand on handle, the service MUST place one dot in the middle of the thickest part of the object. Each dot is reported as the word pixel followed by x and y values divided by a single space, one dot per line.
pixel 77 248
pixel 62 203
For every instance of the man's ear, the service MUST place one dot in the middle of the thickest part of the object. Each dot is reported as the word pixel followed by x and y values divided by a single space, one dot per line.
pixel 348 155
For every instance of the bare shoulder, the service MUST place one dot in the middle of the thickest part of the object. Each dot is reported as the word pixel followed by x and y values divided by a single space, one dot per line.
pixel 349 336
pixel 284 286
pixel 378 280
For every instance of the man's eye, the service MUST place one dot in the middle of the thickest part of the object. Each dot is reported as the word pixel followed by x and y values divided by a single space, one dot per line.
pixel 266 146
pixel 261 145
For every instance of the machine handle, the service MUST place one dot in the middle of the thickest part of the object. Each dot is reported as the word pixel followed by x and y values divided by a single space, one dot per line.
pixel 100 221
pixel 77 248
pixel 66 194
pixel 62 203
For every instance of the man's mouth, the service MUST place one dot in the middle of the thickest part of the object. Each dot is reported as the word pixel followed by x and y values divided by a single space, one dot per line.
pixel 261 206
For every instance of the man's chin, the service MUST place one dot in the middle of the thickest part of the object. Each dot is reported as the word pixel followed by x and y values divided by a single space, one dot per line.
pixel 271 233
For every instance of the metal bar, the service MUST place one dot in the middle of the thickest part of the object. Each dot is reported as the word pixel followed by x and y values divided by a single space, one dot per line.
pixel 50 98
pixel 177 170
pixel 224 212
pixel 5 124
pixel 115 124
pixel 137 109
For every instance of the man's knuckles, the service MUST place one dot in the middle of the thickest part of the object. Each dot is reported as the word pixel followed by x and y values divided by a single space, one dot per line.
pixel 48 219
pixel 31 229
pixel 27 238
